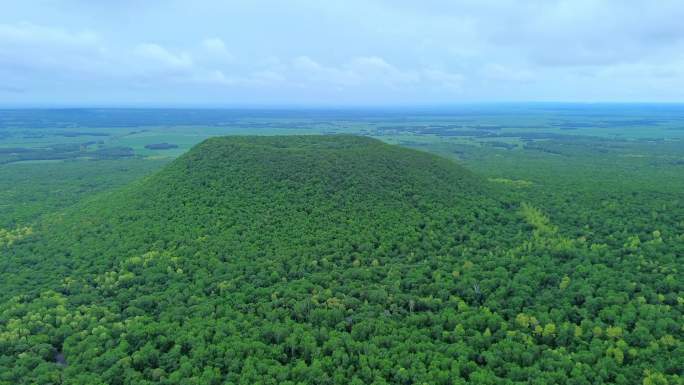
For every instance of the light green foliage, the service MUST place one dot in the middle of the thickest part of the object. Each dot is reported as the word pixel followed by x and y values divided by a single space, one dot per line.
pixel 535 218
pixel 8 237
pixel 614 332
pixel 655 378
pixel 565 282
pixel 512 183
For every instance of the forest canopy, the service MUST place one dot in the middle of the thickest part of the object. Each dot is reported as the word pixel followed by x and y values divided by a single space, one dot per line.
pixel 337 260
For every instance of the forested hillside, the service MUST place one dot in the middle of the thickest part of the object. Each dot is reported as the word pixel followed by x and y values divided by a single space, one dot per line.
pixel 333 260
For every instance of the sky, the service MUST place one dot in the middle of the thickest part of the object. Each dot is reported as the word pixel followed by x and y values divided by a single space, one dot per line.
pixel 339 52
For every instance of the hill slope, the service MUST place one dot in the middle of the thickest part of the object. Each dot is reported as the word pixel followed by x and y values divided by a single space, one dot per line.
pixel 312 259
pixel 266 195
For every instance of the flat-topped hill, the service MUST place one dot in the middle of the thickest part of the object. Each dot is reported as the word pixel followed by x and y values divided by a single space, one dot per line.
pixel 275 193
pixel 258 255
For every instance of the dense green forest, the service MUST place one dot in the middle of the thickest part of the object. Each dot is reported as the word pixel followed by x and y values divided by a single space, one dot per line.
pixel 342 259
pixel 29 190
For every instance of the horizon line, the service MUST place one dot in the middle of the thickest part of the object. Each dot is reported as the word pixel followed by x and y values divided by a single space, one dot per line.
pixel 302 106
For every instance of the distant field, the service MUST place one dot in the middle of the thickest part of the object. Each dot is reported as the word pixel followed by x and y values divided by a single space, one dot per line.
pixel 45 153
pixel 58 131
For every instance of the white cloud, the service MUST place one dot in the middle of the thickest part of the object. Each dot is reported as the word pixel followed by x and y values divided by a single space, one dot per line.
pixel 25 47
pixel 372 71
pixel 504 73
pixel 307 72
pixel 31 34
pixel 372 63
pixel 158 55
pixel 216 48
pixel 443 79
pixel 72 56
pixel 377 70
pixel 381 51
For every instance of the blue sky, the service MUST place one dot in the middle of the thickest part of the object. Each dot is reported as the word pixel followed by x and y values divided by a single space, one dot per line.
pixel 351 52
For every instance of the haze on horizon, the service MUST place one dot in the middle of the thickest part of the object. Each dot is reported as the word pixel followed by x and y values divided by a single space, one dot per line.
pixel 352 52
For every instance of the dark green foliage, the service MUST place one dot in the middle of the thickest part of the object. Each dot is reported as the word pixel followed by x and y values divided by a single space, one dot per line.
pixel 338 260
pixel 63 152
pixel 29 190
pixel 160 146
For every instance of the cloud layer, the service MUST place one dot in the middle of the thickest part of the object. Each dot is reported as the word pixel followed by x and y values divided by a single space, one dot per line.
pixel 340 53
